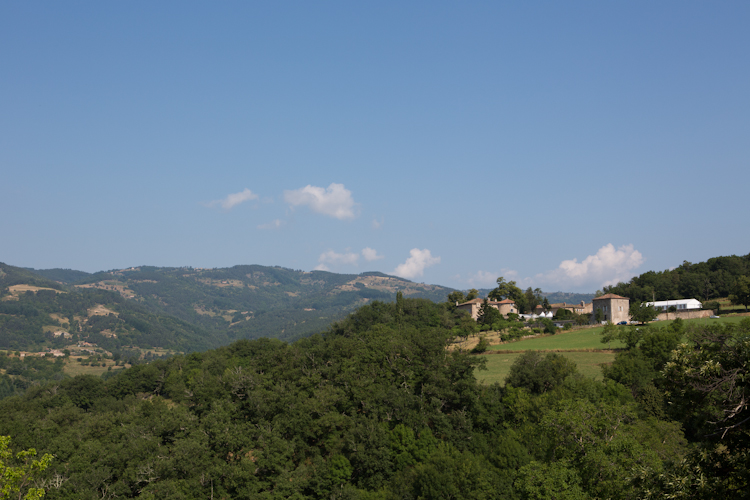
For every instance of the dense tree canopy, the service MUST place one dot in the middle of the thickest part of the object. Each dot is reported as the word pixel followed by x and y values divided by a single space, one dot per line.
pixel 377 407
pixel 703 281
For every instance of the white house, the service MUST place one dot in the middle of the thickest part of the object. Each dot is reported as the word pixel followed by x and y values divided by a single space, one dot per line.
pixel 680 305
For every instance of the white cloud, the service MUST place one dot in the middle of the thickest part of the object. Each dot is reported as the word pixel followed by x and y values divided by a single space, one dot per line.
pixel 336 259
pixel 377 224
pixel 371 254
pixel 335 201
pixel 416 264
pixel 607 267
pixel 274 224
pixel 234 199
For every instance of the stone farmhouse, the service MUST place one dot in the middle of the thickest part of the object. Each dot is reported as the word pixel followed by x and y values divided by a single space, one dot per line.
pixel 505 307
pixel 614 308
pixel 582 308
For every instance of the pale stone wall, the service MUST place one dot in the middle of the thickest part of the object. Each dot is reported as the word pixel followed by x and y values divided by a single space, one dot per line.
pixel 471 308
pixel 684 314
pixel 506 309
pixel 620 310
pixel 613 310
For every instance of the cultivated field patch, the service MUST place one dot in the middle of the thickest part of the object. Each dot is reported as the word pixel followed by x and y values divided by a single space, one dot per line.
pixel 100 310
pixel 112 286
pixel 16 289
pixel 498 365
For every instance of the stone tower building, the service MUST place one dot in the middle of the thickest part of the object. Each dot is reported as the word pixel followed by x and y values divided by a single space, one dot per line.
pixel 613 307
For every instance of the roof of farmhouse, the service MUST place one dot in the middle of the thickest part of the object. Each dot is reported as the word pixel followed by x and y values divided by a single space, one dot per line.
pixel 491 302
pixel 610 296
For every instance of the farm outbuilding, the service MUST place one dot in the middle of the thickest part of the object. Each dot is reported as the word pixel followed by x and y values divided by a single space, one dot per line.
pixel 680 304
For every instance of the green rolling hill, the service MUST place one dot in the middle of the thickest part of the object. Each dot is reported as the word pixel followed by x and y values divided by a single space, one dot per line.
pixel 182 309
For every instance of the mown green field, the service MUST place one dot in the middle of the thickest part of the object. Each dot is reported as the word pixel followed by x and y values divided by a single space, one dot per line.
pixel 586 338
pixel 73 368
pixel 589 363
pixel 498 365
pixel 590 338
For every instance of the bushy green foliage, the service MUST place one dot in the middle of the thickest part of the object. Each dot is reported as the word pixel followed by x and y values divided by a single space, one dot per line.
pixel 740 291
pixel 482 345
pixel 16 479
pixel 377 407
pixel 642 313
pixel 488 315
pixel 705 280
pixel 539 373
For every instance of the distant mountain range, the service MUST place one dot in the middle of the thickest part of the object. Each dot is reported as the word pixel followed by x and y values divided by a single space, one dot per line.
pixel 183 309
pixel 189 309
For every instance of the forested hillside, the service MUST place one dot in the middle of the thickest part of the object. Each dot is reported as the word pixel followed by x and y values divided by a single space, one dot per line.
pixel 377 408
pixel 703 281
pixel 36 313
pixel 182 309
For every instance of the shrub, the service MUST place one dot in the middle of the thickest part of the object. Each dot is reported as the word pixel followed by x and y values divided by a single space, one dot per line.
pixel 713 305
pixel 482 346
pixel 538 373
pixel 549 326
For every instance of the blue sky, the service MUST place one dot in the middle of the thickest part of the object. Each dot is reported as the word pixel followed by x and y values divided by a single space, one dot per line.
pixel 565 145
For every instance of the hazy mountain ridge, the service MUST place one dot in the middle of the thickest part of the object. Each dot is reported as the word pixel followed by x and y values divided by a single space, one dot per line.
pixel 554 297
pixel 185 308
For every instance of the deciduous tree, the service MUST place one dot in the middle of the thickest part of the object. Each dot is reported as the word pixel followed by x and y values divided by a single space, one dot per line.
pixel 643 313
pixel 16 480
pixel 741 292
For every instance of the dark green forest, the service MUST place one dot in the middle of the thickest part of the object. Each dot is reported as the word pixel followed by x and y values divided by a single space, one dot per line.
pixel 376 407
pixel 705 281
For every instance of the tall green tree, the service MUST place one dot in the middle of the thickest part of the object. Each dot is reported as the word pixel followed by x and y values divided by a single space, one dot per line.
pixel 504 290
pixel 533 298
pixel 456 297
pixel 509 290
pixel 642 312
pixel 741 291
pixel 488 315
pixel 709 390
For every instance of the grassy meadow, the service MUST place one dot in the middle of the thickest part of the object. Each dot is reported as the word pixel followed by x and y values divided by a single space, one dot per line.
pixel 498 365
pixel 583 346
pixel 73 368
pixel 584 338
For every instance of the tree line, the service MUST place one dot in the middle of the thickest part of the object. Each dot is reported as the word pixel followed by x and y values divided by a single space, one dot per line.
pixel 718 277
pixel 376 407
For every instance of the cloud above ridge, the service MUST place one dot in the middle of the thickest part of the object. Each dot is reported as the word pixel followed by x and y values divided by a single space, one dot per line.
pixel 335 201
pixel 415 265
pixel 371 254
pixel 608 266
pixel 336 259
